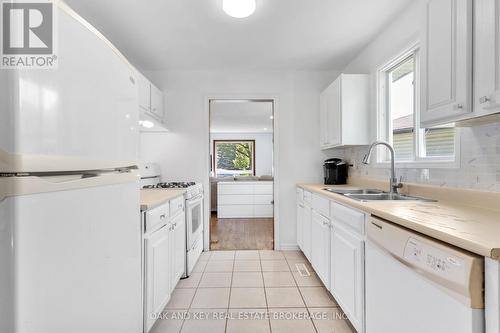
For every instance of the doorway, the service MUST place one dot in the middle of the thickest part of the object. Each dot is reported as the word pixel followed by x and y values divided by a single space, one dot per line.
pixel 242 214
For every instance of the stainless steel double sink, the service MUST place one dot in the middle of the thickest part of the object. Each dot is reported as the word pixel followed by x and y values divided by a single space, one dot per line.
pixel 374 195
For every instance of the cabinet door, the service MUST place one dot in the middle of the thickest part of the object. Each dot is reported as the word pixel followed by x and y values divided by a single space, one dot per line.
pixel 157 272
pixel 320 247
pixel 300 225
pixel 330 115
pixel 334 116
pixel 306 234
pixel 447 62
pixel 157 102
pixel 144 87
pixel 486 57
pixel 179 248
pixel 347 273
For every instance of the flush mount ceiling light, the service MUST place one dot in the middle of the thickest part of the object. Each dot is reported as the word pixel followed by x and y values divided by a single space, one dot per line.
pixel 239 8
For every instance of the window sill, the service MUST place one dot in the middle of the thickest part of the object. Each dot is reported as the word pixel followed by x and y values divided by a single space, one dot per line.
pixel 450 164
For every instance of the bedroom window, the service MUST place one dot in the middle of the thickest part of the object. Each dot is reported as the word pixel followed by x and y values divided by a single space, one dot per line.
pixel 234 158
pixel 398 88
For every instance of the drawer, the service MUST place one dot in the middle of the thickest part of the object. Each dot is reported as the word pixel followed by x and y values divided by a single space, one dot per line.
pixel 263 199
pixel 176 205
pixel 263 188
pixel 263 210
pixel 235 211
pixel 234 188
pixel 307 197
pixel 157 217
pixel 300 194
pixel 244 199
pixel 321 205
pixel 348 217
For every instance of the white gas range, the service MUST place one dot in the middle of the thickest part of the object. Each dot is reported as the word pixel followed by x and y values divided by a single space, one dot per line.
pixel 150 179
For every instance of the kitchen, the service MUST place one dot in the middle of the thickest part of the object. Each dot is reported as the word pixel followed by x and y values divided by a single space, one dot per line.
pixel 410 244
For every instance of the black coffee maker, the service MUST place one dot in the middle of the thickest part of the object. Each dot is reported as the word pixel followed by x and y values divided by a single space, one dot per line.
pixel 335 171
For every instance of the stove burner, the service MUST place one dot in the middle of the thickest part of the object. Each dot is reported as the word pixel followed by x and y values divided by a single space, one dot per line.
pixel 175 185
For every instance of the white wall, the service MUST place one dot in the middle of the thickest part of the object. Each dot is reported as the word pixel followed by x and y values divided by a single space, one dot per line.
pixel 263 149
pixel 184 152
pixel 480 146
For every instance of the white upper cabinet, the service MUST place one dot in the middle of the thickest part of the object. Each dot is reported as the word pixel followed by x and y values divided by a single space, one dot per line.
pixel 157 102
pixel 446 74
pixel 152 111
pixel 486 57
pixel 344 112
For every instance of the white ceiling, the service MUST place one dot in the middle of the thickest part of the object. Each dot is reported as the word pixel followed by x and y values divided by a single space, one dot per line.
pixel 197 34
pixel 241 117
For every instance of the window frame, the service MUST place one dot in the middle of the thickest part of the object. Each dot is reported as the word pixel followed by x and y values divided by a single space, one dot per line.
pixel 384 131
pixel 215 141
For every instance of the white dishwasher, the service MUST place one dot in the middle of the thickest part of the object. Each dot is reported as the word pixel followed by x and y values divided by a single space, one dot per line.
pixel 415 284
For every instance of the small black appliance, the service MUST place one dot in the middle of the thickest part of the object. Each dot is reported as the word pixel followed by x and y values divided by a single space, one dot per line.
pixel 335 170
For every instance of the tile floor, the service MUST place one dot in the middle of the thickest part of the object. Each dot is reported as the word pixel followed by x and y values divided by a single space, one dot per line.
pixel 251 291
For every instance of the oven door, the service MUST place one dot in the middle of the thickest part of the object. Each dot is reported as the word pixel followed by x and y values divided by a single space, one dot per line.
pixel 194 220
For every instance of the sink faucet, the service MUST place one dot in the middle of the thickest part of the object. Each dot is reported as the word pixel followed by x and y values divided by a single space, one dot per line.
pixel 394 185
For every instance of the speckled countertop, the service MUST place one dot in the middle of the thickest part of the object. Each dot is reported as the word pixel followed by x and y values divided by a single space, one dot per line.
pixel 473 228
pixel 151 198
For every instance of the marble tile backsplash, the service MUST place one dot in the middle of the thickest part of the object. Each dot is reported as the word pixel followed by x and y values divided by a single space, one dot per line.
pixel 479 163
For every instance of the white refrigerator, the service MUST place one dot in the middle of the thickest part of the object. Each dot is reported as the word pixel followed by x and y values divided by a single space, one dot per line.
pixel 70 240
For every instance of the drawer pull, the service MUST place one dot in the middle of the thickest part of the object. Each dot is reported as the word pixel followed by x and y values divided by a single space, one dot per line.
pixel 163 216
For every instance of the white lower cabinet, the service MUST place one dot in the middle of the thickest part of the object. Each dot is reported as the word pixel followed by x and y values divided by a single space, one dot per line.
pixel 178 247
pixel 300 225
pixel 158 270
pixel 164 256
pixel 320 246
pixel 347 272
pixel 306 234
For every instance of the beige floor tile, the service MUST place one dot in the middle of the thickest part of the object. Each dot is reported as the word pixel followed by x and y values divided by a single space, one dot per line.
pixel 329 320
pixel 311 280
pixel 170 322
pixel 278 279
pixel 291 321
pixel 247 266
pixel 216 280
pixel 247 279
pixel 181 299
pixel 294 255
pixel 205 256
pixel 211 298
pixel 200 267
pixel 248 321
pixel 213 321
pixel 284 297
pixel 222 255
pixel 317 297
pixel 271 255
pixel 191 282
pixel 275 266
pixel 220 266
pixel 247 298
pixel 247 255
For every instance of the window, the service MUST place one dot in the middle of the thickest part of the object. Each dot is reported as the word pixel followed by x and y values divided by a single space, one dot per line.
pixel 399 116
pixel 234 158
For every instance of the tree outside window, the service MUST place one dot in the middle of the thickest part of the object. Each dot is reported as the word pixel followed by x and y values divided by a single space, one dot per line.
pixel 234 157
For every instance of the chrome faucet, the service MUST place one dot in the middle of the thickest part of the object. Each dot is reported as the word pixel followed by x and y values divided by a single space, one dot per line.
pixel 394 185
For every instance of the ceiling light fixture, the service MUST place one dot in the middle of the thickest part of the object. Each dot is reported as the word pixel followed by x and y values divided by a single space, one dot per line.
pixel 239 8
pixel 271 117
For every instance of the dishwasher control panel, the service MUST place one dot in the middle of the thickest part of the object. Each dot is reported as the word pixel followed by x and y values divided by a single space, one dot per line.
pixel 434 260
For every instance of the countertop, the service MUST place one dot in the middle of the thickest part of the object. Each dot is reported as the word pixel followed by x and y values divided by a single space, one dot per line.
pixel 151 198
pixel 473 228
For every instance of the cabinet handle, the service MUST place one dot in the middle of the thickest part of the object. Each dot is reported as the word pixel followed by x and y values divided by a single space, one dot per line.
pixel 162 216
pixel 459 106
pixel 484 99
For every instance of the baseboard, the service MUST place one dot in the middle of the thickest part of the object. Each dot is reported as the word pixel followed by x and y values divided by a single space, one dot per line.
pixel 289 247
